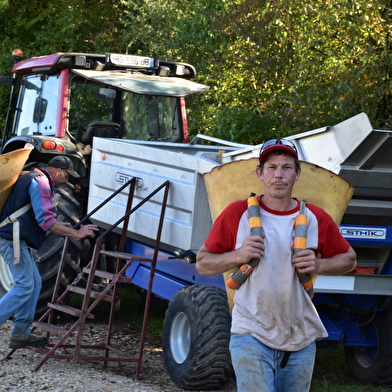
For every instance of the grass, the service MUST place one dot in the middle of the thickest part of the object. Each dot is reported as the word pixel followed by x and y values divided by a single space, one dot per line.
pixel 132 308
pixel 331 374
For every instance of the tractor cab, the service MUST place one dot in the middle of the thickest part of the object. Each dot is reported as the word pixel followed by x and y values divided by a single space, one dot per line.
pixel 66 99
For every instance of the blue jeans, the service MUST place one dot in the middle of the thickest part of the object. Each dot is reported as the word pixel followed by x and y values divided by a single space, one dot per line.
pixel 21 301
pixel 257 367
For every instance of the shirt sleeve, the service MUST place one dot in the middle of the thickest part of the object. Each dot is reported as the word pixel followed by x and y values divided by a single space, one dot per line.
pixel 41 201
pixel 223 235
pixel 331 241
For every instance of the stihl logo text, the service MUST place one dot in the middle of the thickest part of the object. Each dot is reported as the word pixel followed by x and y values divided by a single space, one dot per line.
pixel 355 232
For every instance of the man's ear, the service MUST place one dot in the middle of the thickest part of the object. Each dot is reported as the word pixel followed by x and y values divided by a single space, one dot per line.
pixel 259 173
pixel 298 174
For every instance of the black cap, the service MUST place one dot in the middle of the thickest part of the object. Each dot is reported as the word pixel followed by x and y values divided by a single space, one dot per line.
pixel 63 162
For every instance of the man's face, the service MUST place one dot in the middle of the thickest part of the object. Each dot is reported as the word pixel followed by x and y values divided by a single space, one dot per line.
pixel 61 177
pixel 279 175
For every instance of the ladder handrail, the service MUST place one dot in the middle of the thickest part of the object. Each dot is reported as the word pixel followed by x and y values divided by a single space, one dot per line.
pixel 128 213
pixel 114 194
pixel 132 183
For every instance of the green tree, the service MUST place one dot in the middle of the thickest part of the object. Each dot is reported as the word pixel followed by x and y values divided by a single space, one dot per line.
pixel 49 26
pixel 295 66
pixel 277 67
pixel 274 67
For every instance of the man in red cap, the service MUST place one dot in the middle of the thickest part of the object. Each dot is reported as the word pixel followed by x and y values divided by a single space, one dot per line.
pixel 274 322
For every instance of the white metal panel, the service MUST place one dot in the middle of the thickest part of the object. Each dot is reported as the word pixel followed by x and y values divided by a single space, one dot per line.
pixel 332 145
pixel 327 147
pixel 145 84
pixel 187 218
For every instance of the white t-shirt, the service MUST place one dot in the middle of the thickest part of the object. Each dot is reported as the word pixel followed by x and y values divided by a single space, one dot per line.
pixel 271 304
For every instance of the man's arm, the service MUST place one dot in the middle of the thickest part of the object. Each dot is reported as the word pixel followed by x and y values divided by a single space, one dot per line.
pixel 208 263
pixel 67 231
pixel 307 262
pixel 41 200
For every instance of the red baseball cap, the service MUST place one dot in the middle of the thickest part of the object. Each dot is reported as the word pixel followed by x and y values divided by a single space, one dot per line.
pixel 277 144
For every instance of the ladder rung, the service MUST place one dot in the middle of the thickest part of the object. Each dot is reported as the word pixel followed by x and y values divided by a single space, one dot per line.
pixel 108 275
pixel 93 294
pixel 123 256
pixel 39 350
pixel 69 310
pixel 53 329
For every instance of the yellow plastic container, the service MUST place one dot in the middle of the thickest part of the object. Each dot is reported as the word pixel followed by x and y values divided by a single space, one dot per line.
pixel 236 180
pixel 11 164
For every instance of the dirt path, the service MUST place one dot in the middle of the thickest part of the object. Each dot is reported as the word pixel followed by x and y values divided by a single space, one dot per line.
pixel 62 375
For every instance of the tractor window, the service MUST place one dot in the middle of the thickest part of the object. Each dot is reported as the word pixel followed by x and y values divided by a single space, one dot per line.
pixel 36 113
pixel 86 104
pixel 149 117
pixel 141 117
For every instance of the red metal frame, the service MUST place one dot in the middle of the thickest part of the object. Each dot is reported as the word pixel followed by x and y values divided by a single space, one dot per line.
pixel 108 294
pixel 26 66
pixel 184 120
pixel 61 123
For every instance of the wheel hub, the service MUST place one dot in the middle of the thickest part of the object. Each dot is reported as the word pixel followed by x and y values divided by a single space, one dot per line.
pixel 180 337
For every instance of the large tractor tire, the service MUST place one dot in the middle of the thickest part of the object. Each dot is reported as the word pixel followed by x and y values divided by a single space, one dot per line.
pixel 374 364
pixel 49 256
pixel 196 335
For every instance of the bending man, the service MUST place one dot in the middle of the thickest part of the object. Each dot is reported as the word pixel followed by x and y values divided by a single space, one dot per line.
pixel 35 188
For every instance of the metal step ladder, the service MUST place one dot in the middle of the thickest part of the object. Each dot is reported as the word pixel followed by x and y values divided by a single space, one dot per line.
pixel 91 297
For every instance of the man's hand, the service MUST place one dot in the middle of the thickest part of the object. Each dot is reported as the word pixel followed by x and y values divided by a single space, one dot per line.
pixel 65 229
pixel 87 231
pixel 306 261
pixel 252 248
pixel 209 263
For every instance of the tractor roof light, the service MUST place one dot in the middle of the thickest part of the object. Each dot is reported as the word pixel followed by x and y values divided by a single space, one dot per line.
pixel 17 55
pixel 164 71
pixel 80 61
pixel 180 69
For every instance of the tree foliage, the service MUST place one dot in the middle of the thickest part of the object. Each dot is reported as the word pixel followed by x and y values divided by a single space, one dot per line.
pixel 274 67
pixel 288 67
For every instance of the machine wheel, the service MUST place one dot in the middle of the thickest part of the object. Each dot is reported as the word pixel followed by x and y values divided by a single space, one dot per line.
pixel 374 364
pixel 49 256
pixel 196 335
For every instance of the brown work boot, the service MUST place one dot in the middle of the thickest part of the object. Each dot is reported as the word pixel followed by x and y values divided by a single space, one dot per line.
pixel 26 341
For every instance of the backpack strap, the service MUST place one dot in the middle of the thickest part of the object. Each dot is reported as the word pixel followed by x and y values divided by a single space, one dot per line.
pixel 13 218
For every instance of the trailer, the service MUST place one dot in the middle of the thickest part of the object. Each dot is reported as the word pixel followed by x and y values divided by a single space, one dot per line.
pixel 355 308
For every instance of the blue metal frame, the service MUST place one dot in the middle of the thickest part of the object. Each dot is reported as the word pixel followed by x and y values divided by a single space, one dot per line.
pixel 173 274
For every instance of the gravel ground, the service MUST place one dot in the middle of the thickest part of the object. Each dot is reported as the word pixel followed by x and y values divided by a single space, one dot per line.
pixel 63 375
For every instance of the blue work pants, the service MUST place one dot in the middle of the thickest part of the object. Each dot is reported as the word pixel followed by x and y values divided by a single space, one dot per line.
pixel 257 367
pixel 21 301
